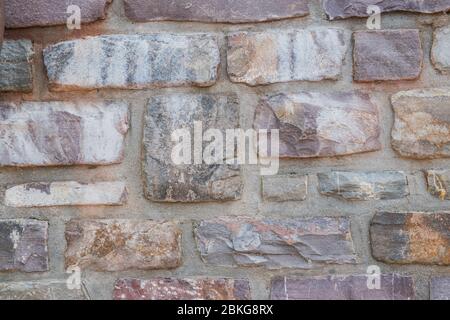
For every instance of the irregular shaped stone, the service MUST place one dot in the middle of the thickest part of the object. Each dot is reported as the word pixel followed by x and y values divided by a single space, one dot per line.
pixel 341 9
pixel 301 243
pixel 70 193
pixel 118 245
pixel 133 62
pixel 440 288
pixel 257 58
pixel 387 55
pixel 226 11
pixel 422 123
pixel 40 290
pixel 406 238
pixel 352 287
pixel 383 185
pixel 313 124
pixel 62 133
pixel 167 181
pixel 32 13
pixel 439 183
pixel 16 58
pixel 285 188
pixel 23 245
pixel 440 53
pixel 181 289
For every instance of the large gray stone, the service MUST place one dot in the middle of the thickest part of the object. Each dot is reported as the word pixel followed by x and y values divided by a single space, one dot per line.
pixel 440 288
pixel 16 72
pixel 40 290
pixel 440 53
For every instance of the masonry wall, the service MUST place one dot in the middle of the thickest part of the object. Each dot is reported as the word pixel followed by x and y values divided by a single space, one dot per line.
pixel 86 177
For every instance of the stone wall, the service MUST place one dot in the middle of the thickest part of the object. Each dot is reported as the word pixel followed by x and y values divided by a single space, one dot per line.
pixel 86 178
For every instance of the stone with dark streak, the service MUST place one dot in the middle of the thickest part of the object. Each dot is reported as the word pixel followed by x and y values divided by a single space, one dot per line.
pixel 440 288
pixel 16 57
pixel 439 183
pixel 41 290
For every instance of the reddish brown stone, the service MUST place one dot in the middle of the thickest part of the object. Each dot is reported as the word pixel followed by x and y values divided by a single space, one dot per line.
pixel 181 289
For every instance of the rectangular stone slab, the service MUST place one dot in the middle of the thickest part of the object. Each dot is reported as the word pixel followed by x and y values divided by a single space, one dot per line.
pixel 23 245
pixel 16 74
pixel 257 58
pixel 314 124
pixel 133 62
pixel 285 188
pixel 67 193
pixel 349 287
pixel 227 11
pixel 302 243
pixel 439 183
pixel 40 290
pixel 182 289
pixel 411 238
pixel 440 52
pixel 371 185
pixel 422 123
pixel 119 245
pixel 440 288
pixel 62 133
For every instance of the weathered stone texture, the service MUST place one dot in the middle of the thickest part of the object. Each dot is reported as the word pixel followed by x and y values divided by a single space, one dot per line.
pixel 313 124
pixel 285 188
pixel 227 11
pixel 118 245
pixel 341 9
pixel 40 290
pixel 23 245
pixel 70 193
pixel 422 123
pixel 31 13
pixel 257 58
pixel 16 72
pixel 354 287
pixel 440 53
pixel 275 243
pixel 406 238
pixel 439 183
pixel 370 185
pixel 133 62
pixel 181 289
pixel 440 288
pixel 387 55
pixel 2 22
pixel 167 181
pixel 62 133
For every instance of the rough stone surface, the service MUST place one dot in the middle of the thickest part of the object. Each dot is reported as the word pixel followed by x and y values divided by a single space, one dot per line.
pixel 422 123
pixel 373 185
pixel 285 188
pixel 354 287
pixel 40 290
pixel 257 58
pixel 31 13
pixel 2 22
pixel 440 53
pixel 406 238
pixel 16 58
pixel 166 181
pixel 118 245
pixel 70 193
pixel 227 11
pixel 62 133
pixel 440 288
pixel 181 289
pixel 313 124
pixel 439 183
pixel 387 55
pixel 275 243
pixel 133 62
pixel 341 9
pixel 23 245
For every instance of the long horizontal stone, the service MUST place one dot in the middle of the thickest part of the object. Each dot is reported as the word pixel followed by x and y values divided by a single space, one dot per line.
pixel 40 290
pixel 301 243
pixel 182 289
pixel 439 183
pixel 118 245
pixel 70 193
pixel 133 62
pixel 352 287
pixel 62 133
pixel 226 11
pixel 285 188
pixel 32 13
pixel 341 9
pixel 422 123
pixel 372 185
pixel 440 288
pixel 440 52
pixel 16 74
pixel 407 238
pixel 315 54
pixel 313 124
pixel 23 245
